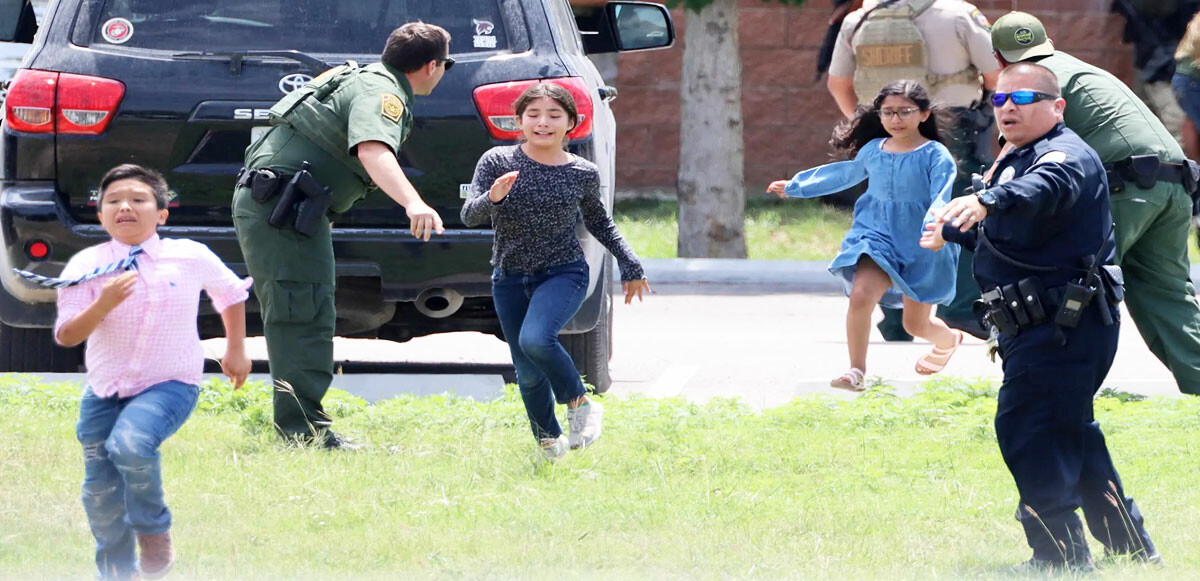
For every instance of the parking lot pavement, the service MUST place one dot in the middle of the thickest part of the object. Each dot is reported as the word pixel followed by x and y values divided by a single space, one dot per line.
pixel 765 344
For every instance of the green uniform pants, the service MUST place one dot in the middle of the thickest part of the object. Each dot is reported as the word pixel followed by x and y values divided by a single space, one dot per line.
pixel 1152 240
pixel 294 282
pixel 962 145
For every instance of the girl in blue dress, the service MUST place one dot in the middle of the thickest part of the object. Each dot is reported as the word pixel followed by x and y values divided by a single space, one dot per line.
pixel 895 143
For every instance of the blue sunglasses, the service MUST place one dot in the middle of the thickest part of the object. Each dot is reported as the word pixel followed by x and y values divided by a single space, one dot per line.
pixel 1021 97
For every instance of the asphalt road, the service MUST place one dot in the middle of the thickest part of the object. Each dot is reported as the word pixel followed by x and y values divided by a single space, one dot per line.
pixel 764 344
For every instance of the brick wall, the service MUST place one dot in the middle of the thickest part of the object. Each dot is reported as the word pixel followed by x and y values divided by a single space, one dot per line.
pixel 788 117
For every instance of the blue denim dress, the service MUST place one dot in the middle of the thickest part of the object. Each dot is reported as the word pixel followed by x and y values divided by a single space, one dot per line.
pixel 891 216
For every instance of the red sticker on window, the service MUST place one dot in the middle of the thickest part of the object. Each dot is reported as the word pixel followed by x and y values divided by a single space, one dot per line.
pixel 117 30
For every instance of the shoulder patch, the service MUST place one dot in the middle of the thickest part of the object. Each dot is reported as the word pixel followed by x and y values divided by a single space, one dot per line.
pixel 1007 175
pixel 1051 157
pixel 392 108
pixel 981 20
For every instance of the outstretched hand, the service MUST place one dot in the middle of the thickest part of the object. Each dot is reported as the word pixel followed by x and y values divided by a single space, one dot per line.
pixel 963 212
pixel 502 186
pixel 635 287
pixel 932 238
pixel 779 188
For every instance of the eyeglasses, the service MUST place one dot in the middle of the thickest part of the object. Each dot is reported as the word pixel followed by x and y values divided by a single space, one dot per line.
pixel 448 62
pixel 900 113
pixel 1021 97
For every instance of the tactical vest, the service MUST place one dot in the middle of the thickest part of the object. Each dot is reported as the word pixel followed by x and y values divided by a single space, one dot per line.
pixel 305 112
pixel 889 47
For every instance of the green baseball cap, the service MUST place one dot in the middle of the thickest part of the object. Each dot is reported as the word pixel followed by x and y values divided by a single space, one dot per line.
pixel 1018 36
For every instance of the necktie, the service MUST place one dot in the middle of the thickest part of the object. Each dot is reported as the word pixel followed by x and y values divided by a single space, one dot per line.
pixel 127 263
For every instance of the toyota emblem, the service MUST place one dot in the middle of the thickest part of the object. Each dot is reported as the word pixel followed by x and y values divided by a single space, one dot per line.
pixel 293 81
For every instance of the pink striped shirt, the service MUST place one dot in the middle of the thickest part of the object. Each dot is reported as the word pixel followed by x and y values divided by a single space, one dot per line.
pixel 151 337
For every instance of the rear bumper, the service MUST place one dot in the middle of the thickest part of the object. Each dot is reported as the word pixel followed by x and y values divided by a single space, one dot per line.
pixel 380 271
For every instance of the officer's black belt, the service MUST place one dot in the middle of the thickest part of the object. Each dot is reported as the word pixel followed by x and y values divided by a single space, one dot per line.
pixel 264 179
pixel 1020 306
pixel 303 201
pixel 1147 170
pixel 1024 304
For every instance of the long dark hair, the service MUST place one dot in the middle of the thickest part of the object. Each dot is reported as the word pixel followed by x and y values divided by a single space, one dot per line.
pixel 850 136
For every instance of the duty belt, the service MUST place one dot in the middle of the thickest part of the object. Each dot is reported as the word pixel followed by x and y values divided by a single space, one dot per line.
pixel 1024 304
pixel 1147 170
pixel 302 201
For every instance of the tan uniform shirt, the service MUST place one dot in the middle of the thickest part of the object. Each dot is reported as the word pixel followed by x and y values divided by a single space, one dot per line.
pixel 956 34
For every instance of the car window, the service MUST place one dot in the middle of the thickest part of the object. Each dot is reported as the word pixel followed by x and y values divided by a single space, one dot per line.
pixel 316 26
pixel 566 19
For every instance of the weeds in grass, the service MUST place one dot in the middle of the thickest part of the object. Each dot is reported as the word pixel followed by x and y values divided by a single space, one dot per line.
pixel 874 487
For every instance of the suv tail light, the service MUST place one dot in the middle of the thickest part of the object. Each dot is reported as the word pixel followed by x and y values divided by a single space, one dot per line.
pixel 87 104
pixel 29 106
pixel 495 104
pixel 64 103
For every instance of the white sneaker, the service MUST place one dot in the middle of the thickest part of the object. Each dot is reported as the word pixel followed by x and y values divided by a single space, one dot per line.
pixel 584 422
pixel 554 448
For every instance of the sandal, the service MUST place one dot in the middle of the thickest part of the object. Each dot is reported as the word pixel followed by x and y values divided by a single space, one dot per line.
pixel 936 359
pixel 851 380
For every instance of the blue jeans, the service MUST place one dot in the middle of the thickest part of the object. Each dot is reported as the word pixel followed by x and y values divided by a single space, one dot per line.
pixel 532 309
pixel 122 482
pixel 1187 92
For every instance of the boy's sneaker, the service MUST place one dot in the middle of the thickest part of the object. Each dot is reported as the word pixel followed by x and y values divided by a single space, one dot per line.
pixel 584 422
pixel 156 555
pixel 554 448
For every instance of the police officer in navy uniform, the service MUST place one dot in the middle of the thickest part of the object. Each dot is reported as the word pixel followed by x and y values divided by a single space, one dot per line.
pixel 1043 235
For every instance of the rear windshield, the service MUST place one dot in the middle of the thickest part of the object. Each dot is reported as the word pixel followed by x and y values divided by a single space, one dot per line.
pixel 313 26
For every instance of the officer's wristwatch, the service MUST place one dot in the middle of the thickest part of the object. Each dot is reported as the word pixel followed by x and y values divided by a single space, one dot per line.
pixel 987 199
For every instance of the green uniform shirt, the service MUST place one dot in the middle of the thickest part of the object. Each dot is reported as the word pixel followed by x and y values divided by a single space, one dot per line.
pixel 370 104
pixel 1106 113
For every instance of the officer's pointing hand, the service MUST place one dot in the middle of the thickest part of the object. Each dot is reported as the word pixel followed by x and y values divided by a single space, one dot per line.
pixel 424 221
pixel 963 212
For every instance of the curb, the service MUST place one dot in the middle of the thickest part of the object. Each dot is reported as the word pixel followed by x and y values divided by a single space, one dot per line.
pixel 812 275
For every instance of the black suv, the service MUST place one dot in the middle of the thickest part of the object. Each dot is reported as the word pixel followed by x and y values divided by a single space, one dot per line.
pixel 184 85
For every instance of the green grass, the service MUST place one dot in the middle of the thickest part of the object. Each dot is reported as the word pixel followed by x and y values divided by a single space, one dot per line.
pixel 876 487
pixel 775 229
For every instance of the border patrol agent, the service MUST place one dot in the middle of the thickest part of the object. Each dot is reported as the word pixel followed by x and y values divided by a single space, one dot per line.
pixel 1043 236
pixel 332 142
pixel 1151 184
pixel 945 45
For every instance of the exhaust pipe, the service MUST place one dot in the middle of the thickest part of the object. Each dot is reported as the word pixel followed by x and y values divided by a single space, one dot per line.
pixel 438 303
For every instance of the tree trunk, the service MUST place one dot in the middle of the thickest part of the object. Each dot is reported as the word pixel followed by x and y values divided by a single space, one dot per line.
pixel 712 197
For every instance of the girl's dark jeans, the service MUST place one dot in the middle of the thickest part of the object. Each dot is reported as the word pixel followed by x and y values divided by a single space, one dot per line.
pixel 532 309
